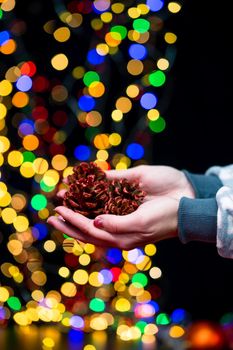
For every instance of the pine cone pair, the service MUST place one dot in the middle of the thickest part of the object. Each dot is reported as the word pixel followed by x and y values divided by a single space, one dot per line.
pixel 90 193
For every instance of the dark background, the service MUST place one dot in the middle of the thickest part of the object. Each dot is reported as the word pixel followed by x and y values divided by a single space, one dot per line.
pixel 198 135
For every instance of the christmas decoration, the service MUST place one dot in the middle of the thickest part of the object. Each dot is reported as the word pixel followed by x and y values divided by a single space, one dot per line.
pixel 90 193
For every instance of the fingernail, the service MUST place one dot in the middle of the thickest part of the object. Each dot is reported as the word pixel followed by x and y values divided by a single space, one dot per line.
pixel 98 222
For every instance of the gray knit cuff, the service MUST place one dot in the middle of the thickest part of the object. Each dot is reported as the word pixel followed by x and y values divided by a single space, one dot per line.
pixel 197 220
pixel 205 186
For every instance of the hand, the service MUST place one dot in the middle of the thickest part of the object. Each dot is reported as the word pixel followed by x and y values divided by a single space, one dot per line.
pixel 156 180
pixel 152 221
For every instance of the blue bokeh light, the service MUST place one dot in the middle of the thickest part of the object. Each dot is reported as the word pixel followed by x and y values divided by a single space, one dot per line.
pixel 4 37
pixel 24 83
pixel 148 100
pixel 94 58
pixel 155 5
pixel 114 255
pixel 107 275
pixel 137 51
pixel 39 231
pixel 86 103
pixel 82 152
pixel 135 151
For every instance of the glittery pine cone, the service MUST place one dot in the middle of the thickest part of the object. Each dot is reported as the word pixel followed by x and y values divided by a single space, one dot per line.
pixel 90 193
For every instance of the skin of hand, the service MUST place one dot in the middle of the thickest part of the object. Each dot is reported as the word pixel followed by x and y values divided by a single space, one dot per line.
pixel 154 220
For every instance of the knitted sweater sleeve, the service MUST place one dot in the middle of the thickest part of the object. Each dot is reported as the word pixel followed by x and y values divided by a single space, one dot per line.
pixel 224 199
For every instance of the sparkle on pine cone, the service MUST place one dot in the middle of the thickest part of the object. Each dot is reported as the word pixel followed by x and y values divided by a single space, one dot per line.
pixel 90 193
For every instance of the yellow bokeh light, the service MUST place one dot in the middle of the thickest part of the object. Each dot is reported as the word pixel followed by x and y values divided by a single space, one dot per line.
pixel 68 171
pixel 8 215
pixel 5 198
pixel 59 162
pixel 176 331
pixel 118 7
pixel 39 278
pixel 115 139
pixel 134 12
pixel 132 91
pixel 150 249
pixel 99 323
pixel 62 34
pixel 15 247
pixel 153 114
pixel 106 17
pixel 163 64
pixel 4 144
pixel 102 155
pixel 124 104
pixel 122 305
pixel 5 88
pixel 64 272
pixel 102 49
pixel 15 158
pixel 13 73
pixel 48 342
pixel 174 7
pixel 21 223
pixel 3 111
pixel 151 329
pixel 37 295
pixel 74 20
pixel 40 165
pixel 49 246
pixel 4 294
pixel 18 201
pixel 60 61
pixel 89 248
pixel 135 67
pixel 101 141
pixel 170 38
pixel 96 279
pixel 27 170
pixel 97 24
pixel 1 159
pixel 68 289
pixel 84 259
pixel 117 115
pixel 80 277
pixel 155 272
pixel 89 347
pixel 78 72
pixel 143 8
pixel 51 177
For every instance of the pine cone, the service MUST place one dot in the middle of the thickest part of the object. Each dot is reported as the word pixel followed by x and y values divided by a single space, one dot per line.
pixel 87 196
pixel 90 193
pixel 83 170
pixel 125 197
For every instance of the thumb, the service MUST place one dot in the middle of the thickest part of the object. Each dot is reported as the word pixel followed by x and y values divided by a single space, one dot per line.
pixel 116 223
pixel 130 174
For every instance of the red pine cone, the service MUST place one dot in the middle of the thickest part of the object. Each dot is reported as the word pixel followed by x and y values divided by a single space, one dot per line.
pixel 90 193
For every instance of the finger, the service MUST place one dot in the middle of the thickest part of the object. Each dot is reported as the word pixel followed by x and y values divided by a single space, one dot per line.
pixel 85 225
pixel 61 193
pixel 65 180
pixel 129 174
pixel 117 224
pixel 71 231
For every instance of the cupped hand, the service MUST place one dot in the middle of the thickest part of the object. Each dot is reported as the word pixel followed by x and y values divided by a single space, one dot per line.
pixel 153 221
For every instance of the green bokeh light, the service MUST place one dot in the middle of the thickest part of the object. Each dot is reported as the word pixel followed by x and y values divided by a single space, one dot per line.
pixel 14 303
pixel 90 77
pixel 157 125
pixel 163 319
pixel 140 278
pixel 38 202
pixel 120 30
pixel 141 25
pixel 45 187
pixel 157 78
pixel 28 156
pixel 97 305
pixel 141 325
